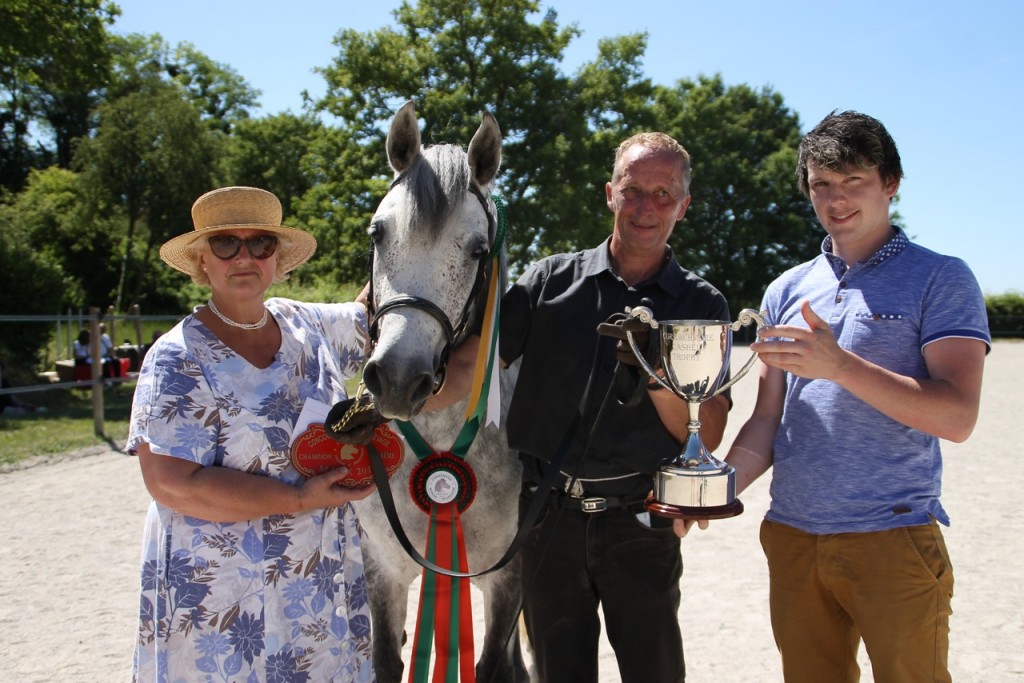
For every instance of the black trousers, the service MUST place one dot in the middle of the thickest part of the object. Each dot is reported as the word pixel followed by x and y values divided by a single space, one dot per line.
pixel 111 367
pixel 574 562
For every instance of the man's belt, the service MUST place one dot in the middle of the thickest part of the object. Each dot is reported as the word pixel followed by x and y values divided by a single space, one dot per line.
pixel 591 504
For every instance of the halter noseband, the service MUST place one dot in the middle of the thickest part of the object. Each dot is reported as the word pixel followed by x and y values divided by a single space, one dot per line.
pixel 452 333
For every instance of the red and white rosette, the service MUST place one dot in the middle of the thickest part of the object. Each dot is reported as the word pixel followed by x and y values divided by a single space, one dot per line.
pixel 442 478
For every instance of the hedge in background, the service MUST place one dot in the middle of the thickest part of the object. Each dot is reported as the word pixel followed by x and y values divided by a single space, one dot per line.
pixel 1005 314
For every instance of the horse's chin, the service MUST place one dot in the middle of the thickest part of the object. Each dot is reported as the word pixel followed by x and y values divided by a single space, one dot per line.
pixel 403 413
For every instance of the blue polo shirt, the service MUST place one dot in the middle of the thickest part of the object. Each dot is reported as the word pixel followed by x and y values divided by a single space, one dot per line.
pixel 839 464
pixel 549 320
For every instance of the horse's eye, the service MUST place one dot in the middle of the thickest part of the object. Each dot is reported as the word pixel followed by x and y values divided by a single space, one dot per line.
pixel 480 252
pixel 376 232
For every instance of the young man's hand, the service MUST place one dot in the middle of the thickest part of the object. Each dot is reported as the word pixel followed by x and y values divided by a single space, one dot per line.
pixel 682 526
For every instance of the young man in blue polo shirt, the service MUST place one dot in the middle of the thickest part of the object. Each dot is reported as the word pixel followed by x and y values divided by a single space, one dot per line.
pixel 874 352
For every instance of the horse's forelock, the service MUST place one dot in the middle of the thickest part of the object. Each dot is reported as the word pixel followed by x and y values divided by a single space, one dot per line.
pixel 436 184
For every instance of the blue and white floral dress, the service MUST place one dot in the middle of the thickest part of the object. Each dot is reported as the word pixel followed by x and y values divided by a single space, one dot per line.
pixel 274 599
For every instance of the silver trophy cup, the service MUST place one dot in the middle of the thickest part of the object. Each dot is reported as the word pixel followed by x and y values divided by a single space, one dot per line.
pixel 695 359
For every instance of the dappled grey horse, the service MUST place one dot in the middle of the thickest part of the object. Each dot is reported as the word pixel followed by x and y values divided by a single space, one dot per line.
pixel 432 236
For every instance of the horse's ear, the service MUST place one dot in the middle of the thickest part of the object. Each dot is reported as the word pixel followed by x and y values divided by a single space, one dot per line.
pixel 403 143
pixel 485 151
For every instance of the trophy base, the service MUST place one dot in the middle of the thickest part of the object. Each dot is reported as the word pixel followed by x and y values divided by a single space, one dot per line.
pixel 707 491
pixel 687 512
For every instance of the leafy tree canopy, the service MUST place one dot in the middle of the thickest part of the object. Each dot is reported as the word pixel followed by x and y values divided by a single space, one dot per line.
pixel 456 59
pixel 160 125
pixel 747 222
pixel 54 59
pixel 149 160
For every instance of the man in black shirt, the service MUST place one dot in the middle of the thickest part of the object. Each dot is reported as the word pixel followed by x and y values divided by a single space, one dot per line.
pixel 619 556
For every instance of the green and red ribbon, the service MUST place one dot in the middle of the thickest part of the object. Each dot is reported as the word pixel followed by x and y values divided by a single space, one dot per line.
pixel 445 614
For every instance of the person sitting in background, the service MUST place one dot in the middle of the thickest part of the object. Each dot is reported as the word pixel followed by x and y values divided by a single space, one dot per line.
pixel 106 343
pixel 131 352
pixel 144 349
pixel 82 351
pixel 111 363
pixel 80 348
pixel 156 335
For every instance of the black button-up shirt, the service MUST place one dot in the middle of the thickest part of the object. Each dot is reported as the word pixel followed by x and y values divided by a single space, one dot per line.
pixel 549 320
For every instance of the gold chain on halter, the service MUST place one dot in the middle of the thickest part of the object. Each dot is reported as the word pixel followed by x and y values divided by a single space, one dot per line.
pixel 359 405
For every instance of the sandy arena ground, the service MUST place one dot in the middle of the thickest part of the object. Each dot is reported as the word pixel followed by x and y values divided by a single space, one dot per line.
pixel 73 525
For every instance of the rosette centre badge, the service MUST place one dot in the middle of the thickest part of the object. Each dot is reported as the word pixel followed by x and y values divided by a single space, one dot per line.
pixel 442 478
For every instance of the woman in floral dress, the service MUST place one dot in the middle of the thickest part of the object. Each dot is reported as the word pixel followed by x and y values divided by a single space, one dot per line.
pixel 250 572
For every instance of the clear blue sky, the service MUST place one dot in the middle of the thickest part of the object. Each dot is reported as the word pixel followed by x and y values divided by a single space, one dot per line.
pixel 946 78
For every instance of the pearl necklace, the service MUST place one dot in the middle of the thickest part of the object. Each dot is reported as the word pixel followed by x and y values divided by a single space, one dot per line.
pixel 242 326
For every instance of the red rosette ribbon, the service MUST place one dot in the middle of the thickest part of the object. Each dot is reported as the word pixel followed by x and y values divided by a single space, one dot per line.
pixel 442 478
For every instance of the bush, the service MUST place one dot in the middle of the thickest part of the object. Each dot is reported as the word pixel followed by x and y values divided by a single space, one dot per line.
pixel 1005 314
pixel 31 286
pixel 321 289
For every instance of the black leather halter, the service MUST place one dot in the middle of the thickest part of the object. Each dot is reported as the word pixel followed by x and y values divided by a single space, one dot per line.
pixel 453 334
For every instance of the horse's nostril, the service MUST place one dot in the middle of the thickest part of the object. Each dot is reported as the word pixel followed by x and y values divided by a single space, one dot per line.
pixel 421 389
pixel 397 394
pixel 371 378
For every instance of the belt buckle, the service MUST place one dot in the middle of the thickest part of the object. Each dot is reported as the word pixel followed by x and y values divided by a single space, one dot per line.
pixel 590 505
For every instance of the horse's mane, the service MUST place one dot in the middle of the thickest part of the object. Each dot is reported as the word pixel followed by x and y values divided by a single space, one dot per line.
pixel 436 180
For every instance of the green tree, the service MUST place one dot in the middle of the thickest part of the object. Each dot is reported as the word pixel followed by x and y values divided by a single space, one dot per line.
pixel 456 59
pixel 747 222
pixel 138 64
pixel 32 283
pixel 270 153
pixel 54 60
pixel 347 186
pixel 144 62
pixel 150 158
pixel 609 99
pixel 1005 314
pixel 52 215
pixel 173 123
pixel 221 95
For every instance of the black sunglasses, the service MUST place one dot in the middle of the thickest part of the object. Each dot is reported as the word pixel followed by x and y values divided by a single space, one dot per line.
pixel 227 246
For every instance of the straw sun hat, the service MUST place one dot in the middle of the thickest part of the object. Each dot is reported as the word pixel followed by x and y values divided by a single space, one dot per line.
pixel 238 208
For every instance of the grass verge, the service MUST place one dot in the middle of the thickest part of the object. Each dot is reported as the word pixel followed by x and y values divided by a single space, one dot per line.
pixel 66 425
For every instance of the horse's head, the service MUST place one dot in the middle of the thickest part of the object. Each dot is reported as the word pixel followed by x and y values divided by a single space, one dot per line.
pixel 432 236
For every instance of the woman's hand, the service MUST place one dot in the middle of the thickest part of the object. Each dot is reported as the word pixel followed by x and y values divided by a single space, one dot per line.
pixel 221 494
pixel 327 490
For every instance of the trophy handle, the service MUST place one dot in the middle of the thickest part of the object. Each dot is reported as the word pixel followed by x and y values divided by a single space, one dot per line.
pixel 746 316
pixel 645 315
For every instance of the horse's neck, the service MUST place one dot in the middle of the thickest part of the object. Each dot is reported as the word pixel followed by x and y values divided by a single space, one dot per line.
pixel 440 428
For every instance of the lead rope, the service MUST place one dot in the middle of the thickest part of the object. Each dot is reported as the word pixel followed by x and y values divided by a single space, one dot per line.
pixel 545 487
pixel 533 511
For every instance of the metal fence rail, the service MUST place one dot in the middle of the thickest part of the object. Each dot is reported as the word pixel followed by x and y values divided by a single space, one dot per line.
pixel 1000 326
pixel 65 325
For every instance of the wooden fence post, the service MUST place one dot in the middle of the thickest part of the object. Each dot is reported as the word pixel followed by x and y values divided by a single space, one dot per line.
pixel 112 325
pixel 137 312
pixel 97 370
